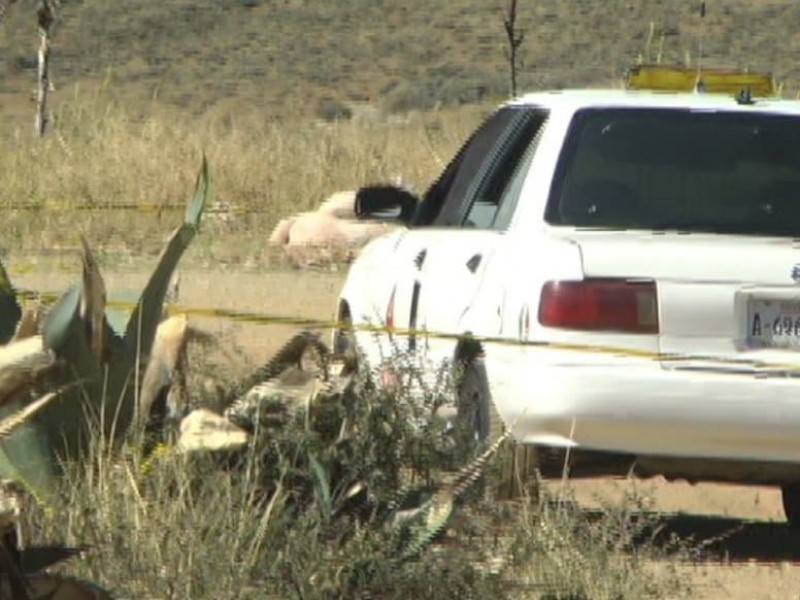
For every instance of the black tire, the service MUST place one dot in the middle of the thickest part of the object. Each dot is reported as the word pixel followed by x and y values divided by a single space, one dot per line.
pixel 345 347
pixel 790 494
pixel 475 409
pixel 518 472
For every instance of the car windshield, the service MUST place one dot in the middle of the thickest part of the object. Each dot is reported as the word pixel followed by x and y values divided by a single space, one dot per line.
pixel 705 171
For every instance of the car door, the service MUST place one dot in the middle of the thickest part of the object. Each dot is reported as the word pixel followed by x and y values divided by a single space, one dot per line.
pixel 435 212
pixel 448 258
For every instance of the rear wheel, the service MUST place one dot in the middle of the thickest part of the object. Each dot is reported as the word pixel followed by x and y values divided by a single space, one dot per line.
pixel 344 341
pixel 480 426
pixel 790 494
pixel 475 413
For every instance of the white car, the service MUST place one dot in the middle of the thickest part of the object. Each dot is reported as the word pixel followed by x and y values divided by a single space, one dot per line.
pixel 619 271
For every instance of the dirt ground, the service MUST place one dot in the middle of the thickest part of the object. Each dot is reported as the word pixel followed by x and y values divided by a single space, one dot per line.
pixel 757 558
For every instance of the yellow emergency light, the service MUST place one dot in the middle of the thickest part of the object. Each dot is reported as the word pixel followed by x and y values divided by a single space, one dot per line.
pixel 686 79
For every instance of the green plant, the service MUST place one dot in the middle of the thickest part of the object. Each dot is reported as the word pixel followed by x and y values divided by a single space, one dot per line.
pixel 85 349
pixel 611 553
pixel 347 492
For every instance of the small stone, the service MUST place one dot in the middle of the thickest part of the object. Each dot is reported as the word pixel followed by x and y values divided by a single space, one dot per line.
pixel 203 429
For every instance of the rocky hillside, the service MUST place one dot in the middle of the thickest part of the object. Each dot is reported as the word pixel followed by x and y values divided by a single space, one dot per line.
pixel 333 59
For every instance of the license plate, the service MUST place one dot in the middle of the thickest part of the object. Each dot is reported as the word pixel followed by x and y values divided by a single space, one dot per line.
pixel 773 323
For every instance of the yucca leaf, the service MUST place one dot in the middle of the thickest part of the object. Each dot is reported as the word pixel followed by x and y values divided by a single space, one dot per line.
pixel 31 456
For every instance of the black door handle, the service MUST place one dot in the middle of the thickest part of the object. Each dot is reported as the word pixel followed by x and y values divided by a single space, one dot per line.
pixel 419 259
pixel 472 263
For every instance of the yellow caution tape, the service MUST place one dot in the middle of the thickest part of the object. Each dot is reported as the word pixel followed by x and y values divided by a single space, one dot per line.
pixel 143 207
pixel 256 318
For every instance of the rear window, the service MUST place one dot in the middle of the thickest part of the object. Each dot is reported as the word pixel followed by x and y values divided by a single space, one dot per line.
pixel 720 172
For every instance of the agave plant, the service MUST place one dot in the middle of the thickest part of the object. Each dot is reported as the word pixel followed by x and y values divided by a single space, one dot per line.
pixel 10 311
pixel 77 346
pixel 20 568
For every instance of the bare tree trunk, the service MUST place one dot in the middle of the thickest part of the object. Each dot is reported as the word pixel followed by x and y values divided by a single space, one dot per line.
pixel 45 18
pixel 515 39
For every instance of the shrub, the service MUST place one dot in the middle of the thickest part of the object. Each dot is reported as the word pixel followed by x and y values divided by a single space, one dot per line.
pixel 332 503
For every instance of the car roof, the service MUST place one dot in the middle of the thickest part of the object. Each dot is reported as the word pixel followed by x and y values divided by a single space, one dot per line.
pixel 576 99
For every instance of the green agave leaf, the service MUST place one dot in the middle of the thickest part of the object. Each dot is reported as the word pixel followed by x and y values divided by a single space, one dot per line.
pixel 202 196
pixel 60 320
pixel 10 311
pixel 144 320
pixel 25 458
pixel 33 455
pixel 59 430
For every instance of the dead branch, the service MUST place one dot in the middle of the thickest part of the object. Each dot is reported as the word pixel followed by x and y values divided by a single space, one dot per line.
pixel 515 39
pixel 45 18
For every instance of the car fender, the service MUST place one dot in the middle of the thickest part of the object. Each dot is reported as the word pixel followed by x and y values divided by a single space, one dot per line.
pixel 512 283
pixel 370 273
pixel 368 284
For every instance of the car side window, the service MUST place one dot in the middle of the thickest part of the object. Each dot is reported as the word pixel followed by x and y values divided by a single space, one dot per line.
pixel 491 202
pixel 442 203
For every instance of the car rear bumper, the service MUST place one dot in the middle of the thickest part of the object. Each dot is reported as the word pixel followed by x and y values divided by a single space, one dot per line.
pixel 634 405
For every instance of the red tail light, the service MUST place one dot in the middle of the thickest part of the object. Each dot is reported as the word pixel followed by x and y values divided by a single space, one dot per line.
pixel 600 305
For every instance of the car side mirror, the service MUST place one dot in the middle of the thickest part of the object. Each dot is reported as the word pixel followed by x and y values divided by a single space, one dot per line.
pixel 385 202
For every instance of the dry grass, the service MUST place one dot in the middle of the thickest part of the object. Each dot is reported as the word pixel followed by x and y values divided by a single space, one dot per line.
pixel 279 521
pixel 140 95
pixel 261 169
pixel 300 57
pixel 241 93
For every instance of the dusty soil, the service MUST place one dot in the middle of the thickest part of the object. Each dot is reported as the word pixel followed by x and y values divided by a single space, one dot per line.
pixel 758 557
pixel 304 295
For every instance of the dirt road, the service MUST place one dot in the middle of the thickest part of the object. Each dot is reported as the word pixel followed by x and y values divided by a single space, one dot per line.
pixel 758 557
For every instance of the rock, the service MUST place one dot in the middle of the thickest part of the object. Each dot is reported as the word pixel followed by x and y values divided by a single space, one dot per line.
pixel 203 429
